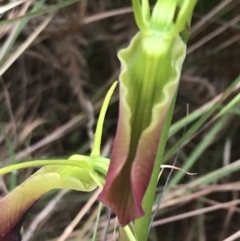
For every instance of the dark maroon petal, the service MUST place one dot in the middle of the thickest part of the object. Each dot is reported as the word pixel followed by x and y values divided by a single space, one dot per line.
pixel 14 234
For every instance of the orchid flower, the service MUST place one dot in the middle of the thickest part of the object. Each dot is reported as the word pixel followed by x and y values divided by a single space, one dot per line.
pixel 150 72
pixel 81 173
pixel 148 82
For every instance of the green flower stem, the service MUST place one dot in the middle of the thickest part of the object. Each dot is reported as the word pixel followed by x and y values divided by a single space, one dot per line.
pixel 100 164
pixel 129 234
pixel 142 224
pixel 39 163
pixel 94 238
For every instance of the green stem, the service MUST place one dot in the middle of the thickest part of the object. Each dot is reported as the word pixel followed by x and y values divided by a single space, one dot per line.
pixel 142 224
pixel 94 238
pixel 129 233
pixel 37 163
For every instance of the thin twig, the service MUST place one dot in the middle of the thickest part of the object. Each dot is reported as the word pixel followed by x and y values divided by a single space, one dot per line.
pixel 195 29
pixel 68 230
pixel 233 237
pixel 46 212
pixel 196 212
pixel 13 57
pixel 212 35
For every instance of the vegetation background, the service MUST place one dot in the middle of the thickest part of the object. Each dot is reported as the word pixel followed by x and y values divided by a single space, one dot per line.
pixel 57 60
